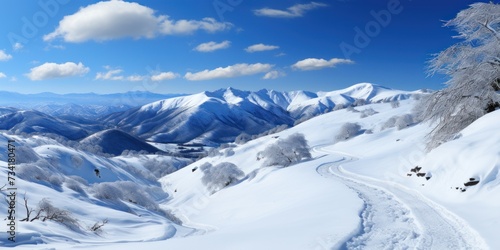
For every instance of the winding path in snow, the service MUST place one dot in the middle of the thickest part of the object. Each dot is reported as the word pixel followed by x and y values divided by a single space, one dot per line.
pixel 395 217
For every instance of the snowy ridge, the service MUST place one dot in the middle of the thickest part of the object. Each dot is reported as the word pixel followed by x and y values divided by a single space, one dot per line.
pixel 221 115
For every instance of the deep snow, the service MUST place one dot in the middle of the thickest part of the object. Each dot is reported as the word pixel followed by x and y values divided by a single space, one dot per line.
pixel 353 194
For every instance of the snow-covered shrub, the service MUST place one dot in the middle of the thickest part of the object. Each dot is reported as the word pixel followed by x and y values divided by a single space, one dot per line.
pixel 359 102
pixel 395 104
pixel 348 131
pixel 28 155
pixel 74 185
pixel 160 168
pixel 213 152
pixel 228 152
pixel 400 122
pixel 77 161
pixel 47 211
pixel 338 107
pixel 220 176
pixel 404 121
pixel 126 191
pixel 352 109
pixel 243 138
pixel 286 152
pixel 368 112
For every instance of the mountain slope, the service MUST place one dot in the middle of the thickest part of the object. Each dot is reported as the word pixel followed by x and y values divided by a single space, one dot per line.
pixel 21 121
pixel 113 141
pixel 221 115
pixel 205 117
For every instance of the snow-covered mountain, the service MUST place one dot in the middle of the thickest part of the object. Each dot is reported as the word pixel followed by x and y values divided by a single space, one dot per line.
pixel 352 194
pixel 114 142
pixel 30 121
pixel 89 105
pixel 221 115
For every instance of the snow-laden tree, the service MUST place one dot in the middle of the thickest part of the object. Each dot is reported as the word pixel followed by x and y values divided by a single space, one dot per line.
pixel 286 152
pixel 348 131
pixel 220 176
pixel 473 67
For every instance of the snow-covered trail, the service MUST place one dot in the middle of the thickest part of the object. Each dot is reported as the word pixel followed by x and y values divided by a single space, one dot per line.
pixel 395 217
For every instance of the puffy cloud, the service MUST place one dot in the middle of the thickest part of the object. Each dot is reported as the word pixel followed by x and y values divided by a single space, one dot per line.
pixel 164 76
pixel 212 46
pixel 2 75
pixel 180 27
pixel 315 64
pixel 260 47
pixel 4 56
pixel 297 10
pixel 111 74
pixel 236 70
pixel 54 70
pixel 273 75
pixel 108 20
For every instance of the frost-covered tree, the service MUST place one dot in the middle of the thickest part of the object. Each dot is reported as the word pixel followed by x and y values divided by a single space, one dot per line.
pixel 286 152
pixel 220 176
pixel 368 112
pixel 473 67
pixel 348 131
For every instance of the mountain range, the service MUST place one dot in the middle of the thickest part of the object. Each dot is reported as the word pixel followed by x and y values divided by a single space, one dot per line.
pixel 209 117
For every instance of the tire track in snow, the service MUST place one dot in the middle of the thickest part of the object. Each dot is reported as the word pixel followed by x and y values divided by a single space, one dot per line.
pixel 395 217
pixel 379 210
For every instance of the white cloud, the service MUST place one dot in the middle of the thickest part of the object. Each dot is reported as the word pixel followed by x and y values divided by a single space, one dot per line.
pixel 4 56
pixel 164 76
pixel 273 75
pixel 111 74
pixel 236 70
pixel 2 75
pixel 297 10
pixel 260 47
pixel 212 46
pixel 17 46
pixel 315 64
pixel 135 78
pixel 185 27
pixel 54 70
pixel 108 20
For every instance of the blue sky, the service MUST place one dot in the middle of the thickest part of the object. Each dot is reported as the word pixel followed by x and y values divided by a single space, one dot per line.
pixel 190 46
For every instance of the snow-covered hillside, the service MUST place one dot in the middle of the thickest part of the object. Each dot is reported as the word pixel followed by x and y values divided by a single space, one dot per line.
pixel 353 194
pixel 222 115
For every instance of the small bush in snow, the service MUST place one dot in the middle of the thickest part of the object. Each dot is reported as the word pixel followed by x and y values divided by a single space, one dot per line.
pixel 400 122
pixel 47 212
pixel 368 112
pixel 228 152
pixel 404 121
pixel 395 104
pixel 286 152
pixel 125 191
pixel 338 107
pixel 359 102
pixel 348 131
pixel 243 138
pixel 352 109
pixel 220 176
pixel 74 185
